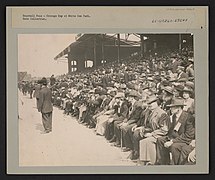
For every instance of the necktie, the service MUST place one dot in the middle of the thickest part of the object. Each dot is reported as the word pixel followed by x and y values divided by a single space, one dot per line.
pixel 147 119
pixel 173 121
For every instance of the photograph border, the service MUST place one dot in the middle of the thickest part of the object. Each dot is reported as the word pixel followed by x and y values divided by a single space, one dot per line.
pixel 28 30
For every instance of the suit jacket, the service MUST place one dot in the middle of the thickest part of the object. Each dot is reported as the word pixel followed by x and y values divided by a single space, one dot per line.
pixel 126 77
pixel 182 75
pixel 158 122
pixel 45 97
pixel 37 91
pixel 52 81
pixel 105 81
pixel 186 131
pixel 175 66
pixel 123 111
pixel 190 72
pixel 135 114
pixel 105 102
pixel 143 116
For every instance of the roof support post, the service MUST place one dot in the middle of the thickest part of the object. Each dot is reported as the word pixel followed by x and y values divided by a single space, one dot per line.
pixel 180 43
pixel 69 63
pixel 94 62
pixel 142 45
pixel 118 49
pixel 103 53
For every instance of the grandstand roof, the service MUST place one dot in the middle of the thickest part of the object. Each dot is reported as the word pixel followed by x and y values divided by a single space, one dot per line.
pixel 84 45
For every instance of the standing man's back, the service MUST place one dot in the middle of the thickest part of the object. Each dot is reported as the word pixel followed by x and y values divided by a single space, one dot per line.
pixel 45 106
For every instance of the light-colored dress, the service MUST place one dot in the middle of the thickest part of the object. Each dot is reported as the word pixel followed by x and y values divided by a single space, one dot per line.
pixel 102 119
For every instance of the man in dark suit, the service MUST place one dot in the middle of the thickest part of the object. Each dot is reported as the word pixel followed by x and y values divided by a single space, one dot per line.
pixel 181 73
pixel 52 80
pixel 122 109
pixel 181 132
pixel 174 64
pixel 156 125
pixel 137 133
pixel 131 120
pixel 105 79
pixel 31 89
pixel 45 106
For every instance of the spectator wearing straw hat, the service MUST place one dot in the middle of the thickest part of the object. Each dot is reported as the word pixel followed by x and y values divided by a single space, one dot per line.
pixel 181 132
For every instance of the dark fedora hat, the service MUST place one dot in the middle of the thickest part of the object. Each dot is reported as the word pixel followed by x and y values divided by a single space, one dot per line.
pixel 165 83
pixel 186 89
pixel 151 99
pixel 182 80
pixel 145 87
pixel 187 63
pixel 43 81
pixel 177 102
pixel 179 87
pixel 190 84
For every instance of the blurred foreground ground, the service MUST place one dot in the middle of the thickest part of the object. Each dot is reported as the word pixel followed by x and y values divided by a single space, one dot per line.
pixel 69 144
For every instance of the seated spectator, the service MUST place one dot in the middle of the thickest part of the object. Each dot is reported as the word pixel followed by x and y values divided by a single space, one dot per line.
pixel 123 128
pixel 157 125
pixel 133 104
pixel 188 101
pixel 181 132
pixel 103 117
pixel 188 154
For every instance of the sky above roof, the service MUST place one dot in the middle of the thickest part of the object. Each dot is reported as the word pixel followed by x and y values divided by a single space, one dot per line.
pixel 36 53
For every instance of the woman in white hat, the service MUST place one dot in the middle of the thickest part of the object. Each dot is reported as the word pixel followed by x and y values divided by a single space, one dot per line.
pixel 188 101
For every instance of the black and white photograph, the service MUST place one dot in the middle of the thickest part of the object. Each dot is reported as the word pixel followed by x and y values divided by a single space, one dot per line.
pixel 107 90
pixel 106 99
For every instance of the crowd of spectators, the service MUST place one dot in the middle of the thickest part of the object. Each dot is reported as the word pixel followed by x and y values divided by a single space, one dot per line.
pixel 144 105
